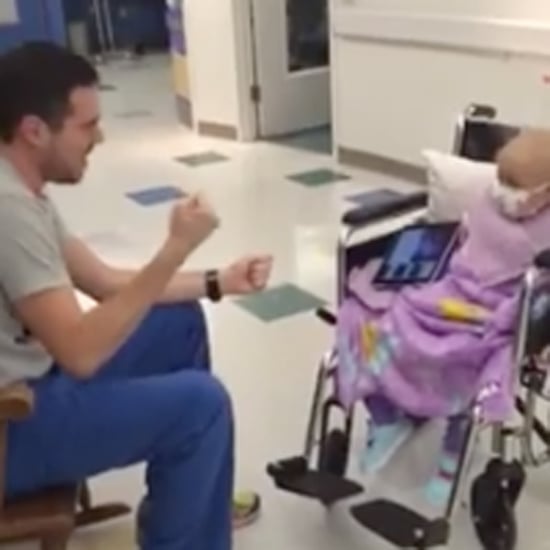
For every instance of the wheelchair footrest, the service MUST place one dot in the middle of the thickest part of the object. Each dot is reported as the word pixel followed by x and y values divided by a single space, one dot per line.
pixel 294 476
pixel 401 526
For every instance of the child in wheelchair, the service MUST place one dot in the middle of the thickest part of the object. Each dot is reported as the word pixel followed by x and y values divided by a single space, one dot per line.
pixel 414 352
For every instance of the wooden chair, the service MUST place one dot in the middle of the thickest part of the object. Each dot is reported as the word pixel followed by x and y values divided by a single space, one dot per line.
pixel 51 515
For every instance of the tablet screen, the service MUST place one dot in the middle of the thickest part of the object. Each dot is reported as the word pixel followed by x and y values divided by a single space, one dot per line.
pixel 418 254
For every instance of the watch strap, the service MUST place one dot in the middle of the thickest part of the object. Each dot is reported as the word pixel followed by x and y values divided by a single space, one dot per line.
pixel 213 289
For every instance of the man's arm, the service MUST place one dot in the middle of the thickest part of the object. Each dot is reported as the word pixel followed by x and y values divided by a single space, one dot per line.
pixel 82 342
pixel 100 281
pixel 95 278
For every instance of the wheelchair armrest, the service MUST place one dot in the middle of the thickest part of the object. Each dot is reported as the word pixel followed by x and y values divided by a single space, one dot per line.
pixel 326 315
pixel 16 402
pixel 401 204
pixel 542 261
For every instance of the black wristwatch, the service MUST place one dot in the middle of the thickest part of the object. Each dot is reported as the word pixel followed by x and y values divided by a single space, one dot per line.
pixel 213 288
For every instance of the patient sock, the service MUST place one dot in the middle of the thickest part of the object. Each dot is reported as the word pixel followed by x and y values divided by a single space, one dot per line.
pixel 388 428
pixel 438 490
pixel 383 442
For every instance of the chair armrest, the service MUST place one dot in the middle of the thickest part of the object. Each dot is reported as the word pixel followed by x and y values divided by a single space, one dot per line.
pixel 16 402
pixel 399 204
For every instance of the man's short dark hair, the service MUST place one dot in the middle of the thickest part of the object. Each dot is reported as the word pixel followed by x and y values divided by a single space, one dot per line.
pixel 38 78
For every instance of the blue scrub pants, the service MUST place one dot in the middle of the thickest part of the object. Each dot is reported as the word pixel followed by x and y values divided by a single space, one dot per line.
pixel 155 401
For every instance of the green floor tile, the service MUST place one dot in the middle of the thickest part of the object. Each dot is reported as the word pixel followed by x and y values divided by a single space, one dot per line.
pixel 280 302
pixel 138 113
pixel 201 159
pixel 316 178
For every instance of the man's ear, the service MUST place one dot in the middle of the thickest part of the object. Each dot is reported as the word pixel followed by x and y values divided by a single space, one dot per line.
pixel 35 131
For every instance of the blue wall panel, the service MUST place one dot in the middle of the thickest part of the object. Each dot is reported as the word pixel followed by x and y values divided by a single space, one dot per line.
pixel 56 21
pixel 38 20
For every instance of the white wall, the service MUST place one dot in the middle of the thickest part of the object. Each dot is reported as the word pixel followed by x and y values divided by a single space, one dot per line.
pixel 210 31
pixel 403 69
pixel 529 9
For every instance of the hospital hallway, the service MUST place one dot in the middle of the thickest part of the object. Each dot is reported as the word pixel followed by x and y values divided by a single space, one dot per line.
pixel 274 198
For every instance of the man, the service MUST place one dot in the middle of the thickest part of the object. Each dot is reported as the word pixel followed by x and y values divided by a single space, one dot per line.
pixel 124 382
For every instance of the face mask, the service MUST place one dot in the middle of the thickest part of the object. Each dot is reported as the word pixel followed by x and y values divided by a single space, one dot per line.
pixel 518 203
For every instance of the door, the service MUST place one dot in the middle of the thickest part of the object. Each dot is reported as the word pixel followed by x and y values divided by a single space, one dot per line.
pixel 291 48
pixel 24 20
pixel 139 22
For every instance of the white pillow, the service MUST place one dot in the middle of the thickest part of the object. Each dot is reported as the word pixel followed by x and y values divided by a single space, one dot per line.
pixel 454 182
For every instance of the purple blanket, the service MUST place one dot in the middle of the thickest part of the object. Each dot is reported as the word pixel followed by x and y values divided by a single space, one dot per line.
pixel 431 350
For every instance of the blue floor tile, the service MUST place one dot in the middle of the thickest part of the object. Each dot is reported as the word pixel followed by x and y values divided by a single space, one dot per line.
pixel 156 195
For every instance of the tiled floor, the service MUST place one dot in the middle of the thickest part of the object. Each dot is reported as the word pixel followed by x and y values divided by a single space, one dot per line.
pixel 269 367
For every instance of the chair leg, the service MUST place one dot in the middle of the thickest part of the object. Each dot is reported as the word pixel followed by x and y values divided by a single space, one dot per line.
pixel 91 515
pixel 57 542
pixel 101 513
pixel 84 496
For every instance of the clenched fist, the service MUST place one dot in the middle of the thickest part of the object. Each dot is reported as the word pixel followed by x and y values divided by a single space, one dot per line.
pixel 247 275
pixel 192 221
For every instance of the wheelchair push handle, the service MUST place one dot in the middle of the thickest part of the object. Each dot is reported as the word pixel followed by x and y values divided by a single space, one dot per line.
pixel 480 110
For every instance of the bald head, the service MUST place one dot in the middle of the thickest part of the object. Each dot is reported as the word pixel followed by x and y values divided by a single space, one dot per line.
pixel 524 163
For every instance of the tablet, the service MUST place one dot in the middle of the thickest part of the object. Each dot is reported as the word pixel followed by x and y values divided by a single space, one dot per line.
pixel 418 254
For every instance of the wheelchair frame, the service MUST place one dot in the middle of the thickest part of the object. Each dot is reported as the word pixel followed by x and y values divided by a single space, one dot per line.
pixel 477 136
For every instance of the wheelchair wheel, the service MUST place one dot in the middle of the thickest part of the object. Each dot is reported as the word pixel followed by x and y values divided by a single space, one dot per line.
pixel 493 497
pixel 333 456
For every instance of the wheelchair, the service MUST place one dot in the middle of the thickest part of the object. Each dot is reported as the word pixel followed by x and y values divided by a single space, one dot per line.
pixel 319 473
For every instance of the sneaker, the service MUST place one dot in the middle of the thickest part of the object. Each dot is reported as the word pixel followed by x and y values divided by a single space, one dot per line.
pixel 383 442
pixel 246 508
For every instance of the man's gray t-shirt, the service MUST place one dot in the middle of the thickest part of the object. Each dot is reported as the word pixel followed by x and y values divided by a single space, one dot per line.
pixel 31 261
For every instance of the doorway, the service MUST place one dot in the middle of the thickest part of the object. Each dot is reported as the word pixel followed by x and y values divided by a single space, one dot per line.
pixel 291 72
